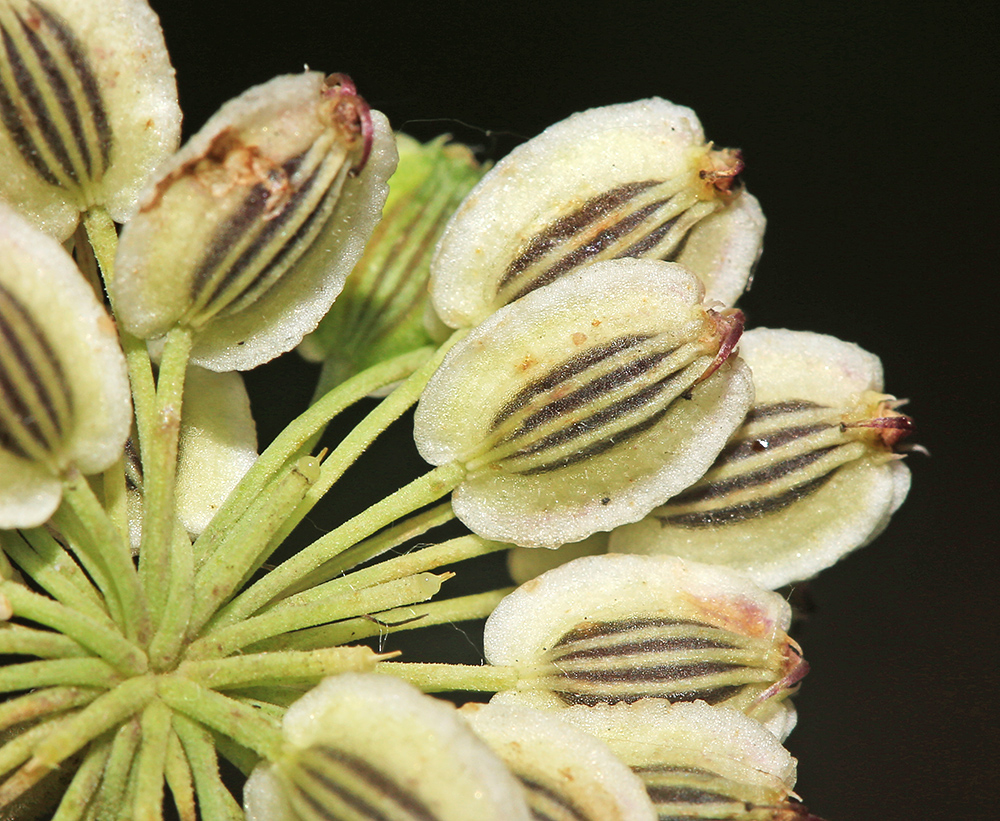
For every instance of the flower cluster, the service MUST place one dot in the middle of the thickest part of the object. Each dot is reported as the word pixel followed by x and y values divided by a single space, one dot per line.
pixel 564 325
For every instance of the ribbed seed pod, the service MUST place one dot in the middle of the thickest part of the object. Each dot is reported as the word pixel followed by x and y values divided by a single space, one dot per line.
pixel 567 774
pixel 64 395
pixel 589 403
pixel 88 107
pixel 247 234
pixel 372 747
pixel 698 761
pixel 627 181
pixel 613 628
pixel 811 474
pixel 383 309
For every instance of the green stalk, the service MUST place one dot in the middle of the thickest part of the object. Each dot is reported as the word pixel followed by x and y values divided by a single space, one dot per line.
pixel 159 470
pixel 26 641
pixel 214 800
pixel 84 547
pixel 448 611
pixel 366 432
pixel 179 779
pixel 103 543
pixel 19 749
pixel 410 528
pixel 77 731
pixel 440 678
pixel 309 609
pixel 147 804
pixel 116 772
pixel 221 575
pixel 54 570
pixel 88 632
pixel 418 561
pixel 166 643
pixel 279 668
pixel 115 497
pixel 85 672
pixel 422 491
pixel 223 714
pixel 39 703
pixel 290 443
pixel 104 242
pixel 85 782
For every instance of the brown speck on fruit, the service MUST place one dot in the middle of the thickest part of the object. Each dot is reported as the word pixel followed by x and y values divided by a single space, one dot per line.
pixel 579 338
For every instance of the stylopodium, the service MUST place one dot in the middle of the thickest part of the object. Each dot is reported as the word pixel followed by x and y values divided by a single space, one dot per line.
pixel 564 323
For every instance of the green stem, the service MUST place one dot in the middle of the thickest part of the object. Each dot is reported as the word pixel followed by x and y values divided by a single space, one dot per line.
pixel 104 242
pixel 291 441
pixel 424 559
pixel 169 637
pixel 40 703
pixel 74 733
pixel 85 672
pixel 220 576
pixel 19 748
pixel 116 772
pixel 448 611
pixel 84 547
pixel 103 542
pixel 147 804
pixel 54 569
pixel 306 610
pixel 262 669
pixel 270 702
pixel 225 715
pixel 179 779
pixel 422 491
pixel 410 528
pixel 85 782
pixel 440 678
pixel 90 633
pixel 159 470
pixel 366 432
pixel 26 641
pixel 103 239
pixel 214 800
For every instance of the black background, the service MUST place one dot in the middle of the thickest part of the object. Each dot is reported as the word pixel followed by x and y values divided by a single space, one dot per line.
pixel 869 133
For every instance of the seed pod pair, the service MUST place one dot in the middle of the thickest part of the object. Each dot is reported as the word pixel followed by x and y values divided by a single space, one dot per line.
pixel 589 406
pixel 88 107
pixel 283 185
pixel 64 394
pixel 616 629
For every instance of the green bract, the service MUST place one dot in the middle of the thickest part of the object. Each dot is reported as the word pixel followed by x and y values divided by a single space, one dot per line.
pixel 384 309
pixel 88 107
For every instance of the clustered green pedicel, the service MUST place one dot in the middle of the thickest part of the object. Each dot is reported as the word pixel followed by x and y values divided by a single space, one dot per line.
pixel 565 325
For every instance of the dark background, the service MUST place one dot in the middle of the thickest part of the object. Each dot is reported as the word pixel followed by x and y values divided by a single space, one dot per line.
pixel 869 132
